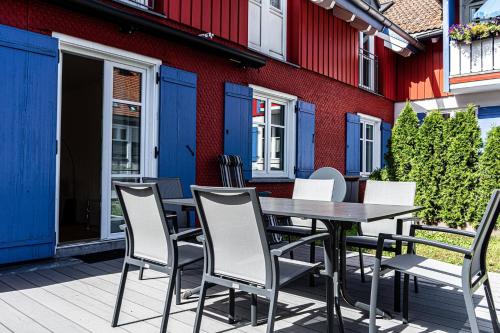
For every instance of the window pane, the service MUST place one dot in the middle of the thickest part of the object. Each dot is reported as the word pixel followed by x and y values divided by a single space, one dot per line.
pixel 361 155
pixel 258 150
pixel 277 114
pixel 259 111
pixel 369 132
pixel 127 85
pixel 277 148
pixel 126 146
pixel 276 4
pixel 116 209
pixel 369 156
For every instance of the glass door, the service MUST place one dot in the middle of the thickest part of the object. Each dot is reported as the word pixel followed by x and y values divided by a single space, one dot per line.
pixel 123 138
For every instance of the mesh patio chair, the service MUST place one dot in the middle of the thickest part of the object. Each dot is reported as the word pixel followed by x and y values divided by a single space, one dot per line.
pixel 302 228
pixel 387 193
pixel 150 242
pixel 231 171
pixel 237 252
pixel 469 277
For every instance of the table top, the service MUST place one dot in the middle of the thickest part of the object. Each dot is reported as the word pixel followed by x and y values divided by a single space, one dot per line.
pixel 321 210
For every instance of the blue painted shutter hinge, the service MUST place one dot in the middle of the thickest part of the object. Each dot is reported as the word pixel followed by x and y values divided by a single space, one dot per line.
pixel 158 77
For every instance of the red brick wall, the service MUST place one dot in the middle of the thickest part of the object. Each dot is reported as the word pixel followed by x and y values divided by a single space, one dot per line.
pixel 332 98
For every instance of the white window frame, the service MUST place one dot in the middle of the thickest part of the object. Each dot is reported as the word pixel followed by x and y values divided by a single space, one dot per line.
pixel 265 8
pixel 290 133
pixel 377 137
pixel 371 49
pixel 466 8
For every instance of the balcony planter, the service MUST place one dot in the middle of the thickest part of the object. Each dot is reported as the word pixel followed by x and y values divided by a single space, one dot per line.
pixel 476 57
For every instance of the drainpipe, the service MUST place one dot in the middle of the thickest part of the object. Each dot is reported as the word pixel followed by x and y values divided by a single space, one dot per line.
pixel 388 23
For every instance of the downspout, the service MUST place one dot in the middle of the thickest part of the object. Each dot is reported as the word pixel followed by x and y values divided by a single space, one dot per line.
pixel 388 23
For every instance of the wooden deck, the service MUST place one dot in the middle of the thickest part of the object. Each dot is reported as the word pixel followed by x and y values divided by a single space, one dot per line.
pixel 79 297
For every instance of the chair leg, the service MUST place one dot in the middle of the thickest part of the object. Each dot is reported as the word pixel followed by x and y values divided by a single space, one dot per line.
pixel 119 296
pixel 253 309
pixel 199 309
pixel 471 313
pixel 289 241
pixel 406 290
pixel 373 297
pixel 397 291
pixel 178 288
pixel 312 259
pixel 230 318
pixel 361 265
pixel 271 317
pixel 415 284
pixel 491 306
pixel 168 301
pixel 141 273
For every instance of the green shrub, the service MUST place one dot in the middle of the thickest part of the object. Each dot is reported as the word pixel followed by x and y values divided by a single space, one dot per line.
pixel 489 172
pixel 462 140
pixel 429 166
pixel 403 142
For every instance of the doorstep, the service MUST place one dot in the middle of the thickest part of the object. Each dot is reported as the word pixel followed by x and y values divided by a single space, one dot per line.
pixel 81 248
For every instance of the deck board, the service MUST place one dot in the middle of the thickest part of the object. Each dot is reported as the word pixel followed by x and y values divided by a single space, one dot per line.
pixel 81 297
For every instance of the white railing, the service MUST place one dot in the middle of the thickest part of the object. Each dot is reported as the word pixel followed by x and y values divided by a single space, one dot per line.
pixel 478 57
pixel 144 4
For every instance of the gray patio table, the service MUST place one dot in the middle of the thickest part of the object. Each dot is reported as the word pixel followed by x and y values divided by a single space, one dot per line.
pixel 338 217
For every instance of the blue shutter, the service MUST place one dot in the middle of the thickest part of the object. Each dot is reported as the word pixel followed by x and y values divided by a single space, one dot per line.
pixel 305 139
pixel 28 98
pixel 238 124
pixel 421 117
pixel 352 151
pixel 177 138
pixel 385 136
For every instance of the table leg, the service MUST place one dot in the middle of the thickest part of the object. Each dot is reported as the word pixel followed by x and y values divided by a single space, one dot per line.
pixel 343 277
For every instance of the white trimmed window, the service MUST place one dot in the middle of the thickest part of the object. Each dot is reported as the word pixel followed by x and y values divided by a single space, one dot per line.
pixel 273 134
pixel 267 27
pixel 367 62
pixel 370 138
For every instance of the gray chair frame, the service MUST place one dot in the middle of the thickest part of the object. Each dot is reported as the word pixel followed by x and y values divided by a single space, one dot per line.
pixel 171 268
pixel 272 283
pixel 474 268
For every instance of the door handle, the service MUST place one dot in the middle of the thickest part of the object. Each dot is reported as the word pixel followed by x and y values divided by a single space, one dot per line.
pixel 188 147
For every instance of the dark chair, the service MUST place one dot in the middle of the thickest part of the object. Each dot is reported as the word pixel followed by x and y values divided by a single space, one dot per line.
pixel 231 172
pixel 237 252
pixel 150 242
pixel 469 277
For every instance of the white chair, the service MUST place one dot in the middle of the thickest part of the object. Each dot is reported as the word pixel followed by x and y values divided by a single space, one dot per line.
pixel 150 242
pixel 469 276
pixel 386 193
pixel 237 252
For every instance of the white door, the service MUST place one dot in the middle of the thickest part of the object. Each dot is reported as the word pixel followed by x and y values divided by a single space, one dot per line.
pixel 124 138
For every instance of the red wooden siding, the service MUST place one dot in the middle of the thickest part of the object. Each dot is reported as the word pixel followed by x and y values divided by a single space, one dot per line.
pixel 322 43
pixel 227 19
pixel 421 75
pixel 386 69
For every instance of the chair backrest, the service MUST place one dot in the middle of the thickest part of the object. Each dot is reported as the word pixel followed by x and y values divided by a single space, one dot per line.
pixel 147 229
pixel 388 193
pixel 170 188
pixel 340 188
pixel 231 171
pixel 483 233
pixel 235 236
pixel 311 189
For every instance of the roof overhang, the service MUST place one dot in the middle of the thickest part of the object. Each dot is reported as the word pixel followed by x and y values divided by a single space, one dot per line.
pixel 367 19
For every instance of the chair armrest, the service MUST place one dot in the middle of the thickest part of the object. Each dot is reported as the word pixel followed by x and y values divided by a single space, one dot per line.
pixel 413 240
pixel 186 234
pixel 265 194
pixel 303 241
pixel 445 230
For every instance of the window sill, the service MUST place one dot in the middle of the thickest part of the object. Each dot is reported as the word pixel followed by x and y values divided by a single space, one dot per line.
pixel 271 180
pixel 372 91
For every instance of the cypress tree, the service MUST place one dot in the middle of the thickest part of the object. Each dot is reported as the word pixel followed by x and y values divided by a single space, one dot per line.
pixel 402 147
pixel 429 166
pixel 462 139
pixel 489 172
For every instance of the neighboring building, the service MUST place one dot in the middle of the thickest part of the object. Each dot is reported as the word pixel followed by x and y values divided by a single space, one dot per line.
pixel 96 91
pixel 447 76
